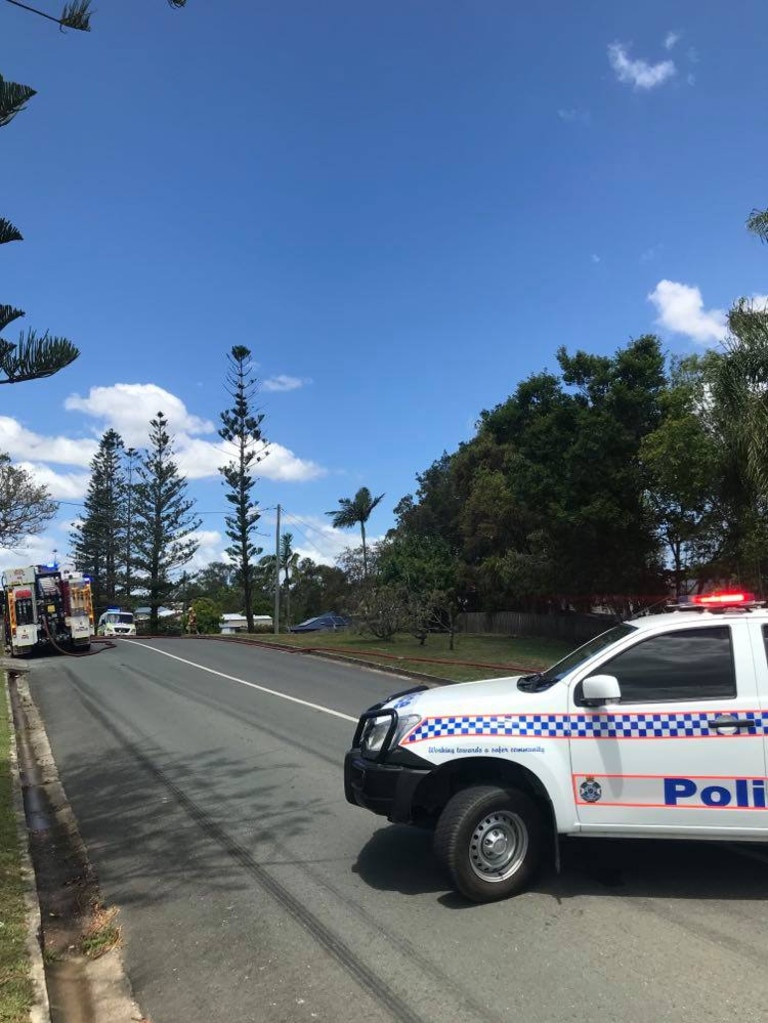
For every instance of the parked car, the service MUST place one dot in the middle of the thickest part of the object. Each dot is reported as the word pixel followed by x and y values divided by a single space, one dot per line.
pixel 322 623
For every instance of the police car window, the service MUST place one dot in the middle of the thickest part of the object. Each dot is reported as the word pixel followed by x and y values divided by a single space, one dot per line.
pixel 691 664
pixel 593 646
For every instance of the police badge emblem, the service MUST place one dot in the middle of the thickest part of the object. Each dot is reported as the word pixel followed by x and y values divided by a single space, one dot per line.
pixel 590 790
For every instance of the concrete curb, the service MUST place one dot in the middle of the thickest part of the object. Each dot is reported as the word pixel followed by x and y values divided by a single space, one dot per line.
pixel 41 1009
pixel 109 990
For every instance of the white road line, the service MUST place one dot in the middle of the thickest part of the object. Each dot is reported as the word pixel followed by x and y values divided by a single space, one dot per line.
pixel 251 685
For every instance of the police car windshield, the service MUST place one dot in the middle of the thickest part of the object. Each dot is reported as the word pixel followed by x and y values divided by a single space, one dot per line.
pixel 558 671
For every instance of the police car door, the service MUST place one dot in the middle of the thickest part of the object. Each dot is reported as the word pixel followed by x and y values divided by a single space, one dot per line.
pixel 682 750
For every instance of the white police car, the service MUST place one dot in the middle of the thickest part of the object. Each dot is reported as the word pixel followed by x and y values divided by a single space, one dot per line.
pixel 654 729
pixel 115 622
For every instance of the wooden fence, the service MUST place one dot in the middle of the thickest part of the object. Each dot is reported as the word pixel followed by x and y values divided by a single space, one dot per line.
pixel 577 628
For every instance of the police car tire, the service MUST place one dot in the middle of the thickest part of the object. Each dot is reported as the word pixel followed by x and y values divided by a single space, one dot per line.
pixel 475 810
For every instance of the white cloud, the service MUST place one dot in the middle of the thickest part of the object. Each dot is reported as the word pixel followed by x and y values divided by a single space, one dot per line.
pixel 41 550
pixel 314 537
pixel 211 549
pixel 283 383
pixel 128 408
pixel 639 73
pixel 595 258
pixel 19 442
pixel 200 459
pixel 671 39
pixel 681 309
pixel 282 464
pixel 63 486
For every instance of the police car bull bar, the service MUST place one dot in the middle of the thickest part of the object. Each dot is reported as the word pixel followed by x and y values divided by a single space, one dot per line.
pixel 380 711
pixel 371 715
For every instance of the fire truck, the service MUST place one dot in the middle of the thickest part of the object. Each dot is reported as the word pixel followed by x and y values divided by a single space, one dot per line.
pixel 43 608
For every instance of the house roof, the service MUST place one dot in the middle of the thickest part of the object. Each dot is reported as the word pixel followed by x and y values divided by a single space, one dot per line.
pixel 162 612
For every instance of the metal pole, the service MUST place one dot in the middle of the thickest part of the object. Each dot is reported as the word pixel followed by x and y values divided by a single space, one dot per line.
pixel 277 574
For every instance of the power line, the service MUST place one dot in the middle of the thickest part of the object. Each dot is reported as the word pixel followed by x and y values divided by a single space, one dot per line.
pixel 306 524
pixel 294 518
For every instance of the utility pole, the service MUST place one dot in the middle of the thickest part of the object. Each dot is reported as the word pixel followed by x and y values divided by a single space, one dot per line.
pixel 277 575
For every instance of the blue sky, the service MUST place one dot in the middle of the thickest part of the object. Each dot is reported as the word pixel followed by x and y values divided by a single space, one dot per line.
pixel 402 209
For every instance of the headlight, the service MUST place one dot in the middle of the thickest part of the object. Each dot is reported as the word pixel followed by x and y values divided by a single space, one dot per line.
pixel 375 731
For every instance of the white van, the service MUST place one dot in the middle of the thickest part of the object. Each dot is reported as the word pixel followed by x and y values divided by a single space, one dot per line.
pixel 115 622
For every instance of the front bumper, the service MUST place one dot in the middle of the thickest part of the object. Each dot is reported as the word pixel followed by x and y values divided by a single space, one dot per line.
pixel 386 789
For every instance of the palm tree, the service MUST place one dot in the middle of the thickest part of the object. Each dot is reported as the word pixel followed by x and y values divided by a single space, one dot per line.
pixel 289 560
pixel 757 222
pixel 740 390
pixel 75 14
pixel 353 510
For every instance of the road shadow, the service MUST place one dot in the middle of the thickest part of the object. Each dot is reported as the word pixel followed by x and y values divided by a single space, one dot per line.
pixel 157 823
pixel 399 858
pixel 172 824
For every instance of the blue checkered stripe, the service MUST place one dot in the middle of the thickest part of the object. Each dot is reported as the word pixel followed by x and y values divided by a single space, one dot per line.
pixel 683 725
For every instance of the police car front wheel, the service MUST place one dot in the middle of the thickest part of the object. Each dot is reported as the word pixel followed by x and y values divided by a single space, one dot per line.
pixel 489 840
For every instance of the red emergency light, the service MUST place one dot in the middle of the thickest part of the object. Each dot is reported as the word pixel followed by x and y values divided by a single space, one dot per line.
pixel 732 598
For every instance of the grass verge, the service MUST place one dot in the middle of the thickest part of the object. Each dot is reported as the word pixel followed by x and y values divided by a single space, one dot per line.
pixel 16 991
pixel 473 657
pixel 101 933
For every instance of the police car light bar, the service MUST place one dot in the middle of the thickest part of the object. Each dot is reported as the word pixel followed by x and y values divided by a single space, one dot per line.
pixel 735 598
pixel 722 600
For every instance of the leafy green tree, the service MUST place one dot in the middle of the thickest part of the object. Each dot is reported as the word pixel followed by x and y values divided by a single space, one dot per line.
pixel 218 582
pixel 207 615
pixel 382 610
pixel 739 410
pixel 436 508
pixel 33 356
pixel 426 570
pixel 683 461
pixel 98 540
pixel 318 588
pixel 545 506
pixel 25 506
pixel 419 564
pixel 606 539
pixel 241 427
pixel 354 511
pixel 164 523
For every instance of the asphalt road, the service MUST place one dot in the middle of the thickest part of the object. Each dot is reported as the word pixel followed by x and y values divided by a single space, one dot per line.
pixel 250 890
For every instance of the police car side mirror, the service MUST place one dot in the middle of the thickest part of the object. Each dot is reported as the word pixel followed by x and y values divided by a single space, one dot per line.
pixel 600 689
